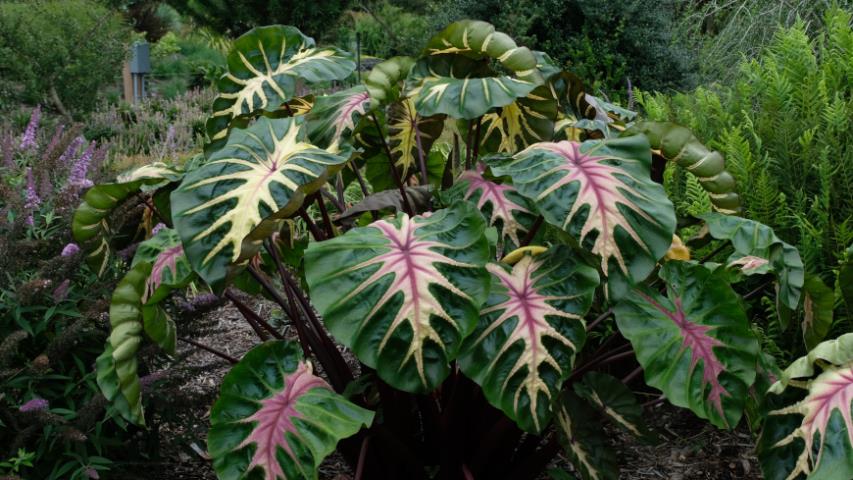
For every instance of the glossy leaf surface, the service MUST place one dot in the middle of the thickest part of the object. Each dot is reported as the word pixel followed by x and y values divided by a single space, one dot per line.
pixel 263 173
pixel 615 400
pixel 275 419
pixel 170 268
pixel 403 293
pixel 335 116
pixel 530 329
pixel 263 69
pixel 811 436
pixel 695 343
pixel 583 439
pixel 600 192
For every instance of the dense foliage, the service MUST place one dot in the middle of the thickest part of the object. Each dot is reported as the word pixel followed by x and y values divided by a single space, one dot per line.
pixel 791 152
pixel 507 222
pixel 59 52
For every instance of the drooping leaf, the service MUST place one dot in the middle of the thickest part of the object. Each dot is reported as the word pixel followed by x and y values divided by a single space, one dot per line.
pixel 818 302
pixel 125 337
pixel 455 79
pixel 529 331
pixel 160 327
pixel 616 401
pixel 812 436
pixel 500 203
pixel 583 439
pixel 263 69
pixel 170 268
pixel 678 144
pixel 334 117
pixel 755 240
pixel 108 381
pixel 275 419
pixel 90 225
pixel 262 174
pixel 694 344
pixel 385 80
pixel 419 197
pixel 600 192
pixel 403 293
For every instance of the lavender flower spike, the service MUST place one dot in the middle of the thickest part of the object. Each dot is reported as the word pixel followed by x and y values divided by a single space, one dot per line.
pixel 70 249
pixel 77 175
pixel 157 228
pixel 29 139
pixel 69 154
pixel 32 200
pixel 34 405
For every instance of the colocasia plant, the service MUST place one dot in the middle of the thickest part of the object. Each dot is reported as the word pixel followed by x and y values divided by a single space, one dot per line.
pixel 458 320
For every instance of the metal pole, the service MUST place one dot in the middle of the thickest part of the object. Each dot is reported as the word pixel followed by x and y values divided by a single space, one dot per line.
pixel 358 56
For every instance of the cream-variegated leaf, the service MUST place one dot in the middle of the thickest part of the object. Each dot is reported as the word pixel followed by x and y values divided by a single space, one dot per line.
pixel 530 329
pixel 600 192
pixel 263 173
pixel 403 293
pixel 263 70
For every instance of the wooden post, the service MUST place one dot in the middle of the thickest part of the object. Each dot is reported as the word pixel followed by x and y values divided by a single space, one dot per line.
pixel 127 82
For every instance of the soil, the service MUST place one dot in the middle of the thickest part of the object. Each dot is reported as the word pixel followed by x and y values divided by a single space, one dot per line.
pixel 690 449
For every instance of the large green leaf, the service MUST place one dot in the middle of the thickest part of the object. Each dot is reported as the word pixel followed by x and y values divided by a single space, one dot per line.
pixel 405 125
pixel 529 331
pixel 500 203
pixel 90 225
pixel 694 344
pixel 125 338
pixel 753 243
pixel 108 381
pixel 403 293
pixel 583 439
pixel 525 121
pixel 812 436
pixel 222 209
pixel 678 145
pixel 264 67
pixel 600 192
pixel 275 419
pixel 615 400
pixel 454 77
pixel 334 117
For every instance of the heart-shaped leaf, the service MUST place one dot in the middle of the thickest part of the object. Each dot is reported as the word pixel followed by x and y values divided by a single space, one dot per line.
pixel 403 293
pixel 90 225
pixel 455 79
pixel 530 329
pixel 263 69
pixel 600 192
pixel 813 435
pixel 694 344
pixel 262 174
pixel 334 117
pixel 758 241
pixel 583 439
pixel 276 420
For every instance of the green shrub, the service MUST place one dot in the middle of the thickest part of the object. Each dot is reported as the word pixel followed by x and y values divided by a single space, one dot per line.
pixel 785 129
pixel 61 52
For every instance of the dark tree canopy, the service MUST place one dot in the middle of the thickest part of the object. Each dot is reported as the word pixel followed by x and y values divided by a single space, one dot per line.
pixel 234 17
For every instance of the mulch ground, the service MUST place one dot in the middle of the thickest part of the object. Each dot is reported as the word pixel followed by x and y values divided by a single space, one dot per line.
pixel 691 449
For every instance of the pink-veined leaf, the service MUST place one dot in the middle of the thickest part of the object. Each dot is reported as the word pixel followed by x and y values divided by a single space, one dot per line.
pixel 500 203
pixel 170 268
pixel 276 420
pixel 811 434
pixel 695 343
pixel 530 329
pixel 403 292
pixel 600 192
pixel 334 117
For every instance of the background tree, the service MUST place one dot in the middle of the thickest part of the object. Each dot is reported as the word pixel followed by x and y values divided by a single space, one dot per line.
pixel 60 52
